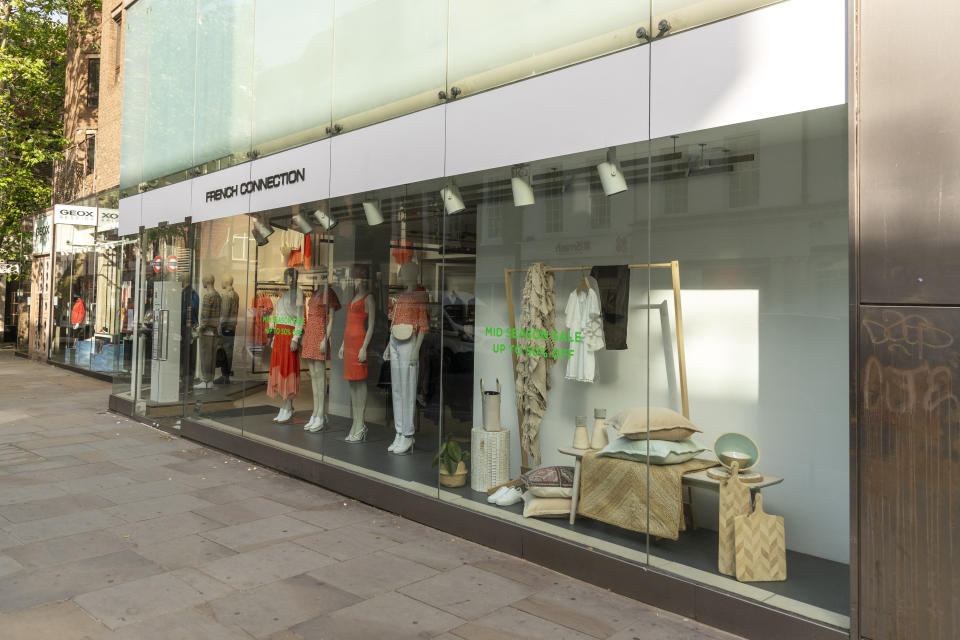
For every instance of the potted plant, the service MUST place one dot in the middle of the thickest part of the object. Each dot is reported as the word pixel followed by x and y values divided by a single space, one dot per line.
pixel 452 459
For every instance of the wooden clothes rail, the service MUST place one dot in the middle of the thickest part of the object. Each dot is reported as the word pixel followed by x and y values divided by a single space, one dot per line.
pixel 674 267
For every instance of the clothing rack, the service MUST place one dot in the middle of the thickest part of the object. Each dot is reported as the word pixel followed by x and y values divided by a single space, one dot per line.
pixel 673 265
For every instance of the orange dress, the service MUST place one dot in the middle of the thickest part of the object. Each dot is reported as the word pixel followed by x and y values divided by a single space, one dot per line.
pixel 353 335
pixel 315 329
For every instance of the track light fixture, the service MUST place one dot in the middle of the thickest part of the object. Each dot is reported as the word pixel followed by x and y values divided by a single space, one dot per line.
pixel 611 176
pixel 261 231
pixel 324 220
pixel 302 223
pixel 452 200
pixel 372 210
pixel 522 189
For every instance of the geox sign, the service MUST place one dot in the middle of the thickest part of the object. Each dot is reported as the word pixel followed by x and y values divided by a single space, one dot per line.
pixel 75 215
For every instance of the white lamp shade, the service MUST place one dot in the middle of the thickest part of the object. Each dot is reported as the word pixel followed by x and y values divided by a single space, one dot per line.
pixel 522 191
pixel 372 211
pixel 452 202
pixel 302 223
pixel 324 220
pixel 611 178
pixel 261 231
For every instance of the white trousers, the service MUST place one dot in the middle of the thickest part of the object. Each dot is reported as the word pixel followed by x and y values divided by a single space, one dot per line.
pixel 403 384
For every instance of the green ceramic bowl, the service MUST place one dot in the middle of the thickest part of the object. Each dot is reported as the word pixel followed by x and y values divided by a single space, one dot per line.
pixel 736 447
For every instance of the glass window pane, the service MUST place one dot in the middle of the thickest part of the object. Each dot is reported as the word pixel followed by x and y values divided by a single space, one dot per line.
pixel 389 58
pixel 172 49
pixel 136 71
pixel 756 216
pixel 292 68
pixel 493 43
pixel 223 105
pixel 687 14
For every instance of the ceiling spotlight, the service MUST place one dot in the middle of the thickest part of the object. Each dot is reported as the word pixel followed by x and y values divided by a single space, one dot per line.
pixel 452 201
pixel 324 220
pixel 304 225
pixel 372 210
pixel 611 177
pixel 261 231
pixel 522 190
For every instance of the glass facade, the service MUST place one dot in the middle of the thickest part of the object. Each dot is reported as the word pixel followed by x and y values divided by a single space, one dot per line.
pixel 92 290
pixel 622 347
pixel 696 282
pixel 215 82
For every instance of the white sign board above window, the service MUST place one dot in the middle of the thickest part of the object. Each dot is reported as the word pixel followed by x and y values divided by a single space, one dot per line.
pixel 109 219
pixel 75 215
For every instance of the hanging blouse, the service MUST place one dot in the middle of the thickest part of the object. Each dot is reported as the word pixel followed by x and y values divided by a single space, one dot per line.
pixel 583 316
pixel 260 308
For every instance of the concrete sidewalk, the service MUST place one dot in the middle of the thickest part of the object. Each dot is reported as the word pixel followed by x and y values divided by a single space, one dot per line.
pixel 110 529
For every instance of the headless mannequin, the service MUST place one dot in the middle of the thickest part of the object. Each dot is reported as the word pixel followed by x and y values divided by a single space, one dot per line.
pixel 405 398
pixel 358 388
pixel 318 373
pixel 230 302
pixel 208 329
pixel 289 308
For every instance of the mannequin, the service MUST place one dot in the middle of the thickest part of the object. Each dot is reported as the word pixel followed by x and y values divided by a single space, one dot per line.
pixel 408 325
pixel 207 328
pixel 230 305
pixel 316 340
pixel 353 350
pixel 287 329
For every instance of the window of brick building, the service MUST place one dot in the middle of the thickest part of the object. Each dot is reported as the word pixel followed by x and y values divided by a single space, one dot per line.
pixel 93 81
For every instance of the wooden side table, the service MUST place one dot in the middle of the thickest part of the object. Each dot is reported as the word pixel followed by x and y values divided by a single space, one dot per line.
pixel 578 460
pixel 698 479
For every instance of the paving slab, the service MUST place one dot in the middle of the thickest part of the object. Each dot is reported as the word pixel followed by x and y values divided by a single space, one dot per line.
pixel 269 564
pixel 468 592
pixel 54 621
pixel 275 607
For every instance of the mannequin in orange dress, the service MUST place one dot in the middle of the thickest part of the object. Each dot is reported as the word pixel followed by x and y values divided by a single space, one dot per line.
pixel 316 341
pixel 353 351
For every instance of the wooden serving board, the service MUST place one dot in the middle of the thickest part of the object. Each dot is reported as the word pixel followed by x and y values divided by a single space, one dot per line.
pixel 761 548
pixel 734 501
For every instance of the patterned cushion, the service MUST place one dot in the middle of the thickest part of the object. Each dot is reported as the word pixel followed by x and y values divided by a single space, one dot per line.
pixel 550 482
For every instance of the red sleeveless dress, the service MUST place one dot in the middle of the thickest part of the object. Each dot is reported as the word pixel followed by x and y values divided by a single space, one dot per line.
pixel 353 336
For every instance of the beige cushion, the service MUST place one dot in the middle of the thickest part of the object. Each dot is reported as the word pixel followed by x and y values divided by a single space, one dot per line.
pixel 534 507
pixel 665 424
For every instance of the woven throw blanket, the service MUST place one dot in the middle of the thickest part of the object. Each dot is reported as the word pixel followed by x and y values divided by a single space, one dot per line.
pixel 615 491
pixel 538 310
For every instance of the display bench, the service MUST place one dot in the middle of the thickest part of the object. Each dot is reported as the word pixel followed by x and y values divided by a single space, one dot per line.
pixel 697 479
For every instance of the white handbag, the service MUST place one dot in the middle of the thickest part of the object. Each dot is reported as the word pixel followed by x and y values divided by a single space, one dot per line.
pixel 402 332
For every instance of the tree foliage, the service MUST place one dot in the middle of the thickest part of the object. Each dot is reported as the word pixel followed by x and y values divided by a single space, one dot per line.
pixel 34 37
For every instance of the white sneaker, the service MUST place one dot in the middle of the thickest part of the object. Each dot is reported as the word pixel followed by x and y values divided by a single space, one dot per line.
pixel 393 445
pixel 496 495
pixel 512 496
pixel 283 416
pixel 318 424
pixel 310 423
pixel 404 446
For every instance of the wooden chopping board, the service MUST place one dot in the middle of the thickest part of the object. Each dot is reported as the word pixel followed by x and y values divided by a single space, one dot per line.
pixel 734 501
pixel 761 547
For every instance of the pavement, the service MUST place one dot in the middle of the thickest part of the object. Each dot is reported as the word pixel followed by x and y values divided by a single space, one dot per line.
pixel 112 530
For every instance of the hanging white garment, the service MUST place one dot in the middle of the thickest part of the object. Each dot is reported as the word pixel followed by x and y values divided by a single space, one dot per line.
pixel 583 316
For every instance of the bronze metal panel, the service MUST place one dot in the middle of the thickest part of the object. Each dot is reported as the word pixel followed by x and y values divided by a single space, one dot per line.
pixel 909 169
pixel 909 407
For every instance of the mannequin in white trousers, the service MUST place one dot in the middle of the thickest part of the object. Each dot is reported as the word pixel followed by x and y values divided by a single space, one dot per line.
pixel 403 353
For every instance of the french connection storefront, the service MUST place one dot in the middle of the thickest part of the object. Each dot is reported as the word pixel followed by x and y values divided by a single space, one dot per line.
pixel 616 292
